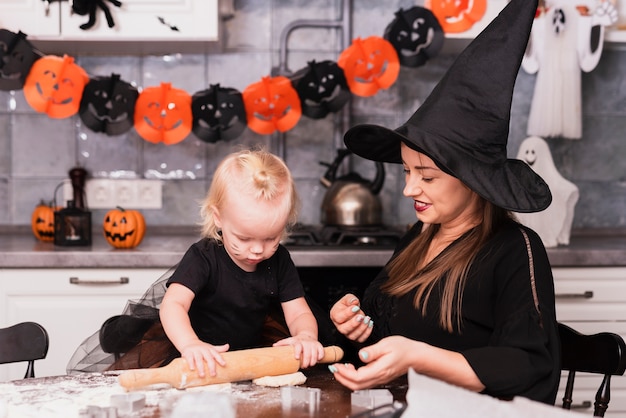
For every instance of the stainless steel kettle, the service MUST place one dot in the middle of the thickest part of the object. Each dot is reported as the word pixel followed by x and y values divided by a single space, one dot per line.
pixel 351 200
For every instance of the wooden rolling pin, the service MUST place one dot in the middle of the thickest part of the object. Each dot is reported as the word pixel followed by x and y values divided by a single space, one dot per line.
pixel 240 365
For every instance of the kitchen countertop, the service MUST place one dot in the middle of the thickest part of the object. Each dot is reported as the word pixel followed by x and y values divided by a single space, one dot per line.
pixel 163 248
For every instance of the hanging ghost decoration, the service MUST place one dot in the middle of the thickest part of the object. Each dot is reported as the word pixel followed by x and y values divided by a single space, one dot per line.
pixel 55 86
pixel 272 104
pixel 457 15
pixel 567 37
pixel 17 56
pixel 163 114
pixel 322 88
pixel 108 105
pixel 416 35
pixel 218 114
pixel 369 65
pixel 553 224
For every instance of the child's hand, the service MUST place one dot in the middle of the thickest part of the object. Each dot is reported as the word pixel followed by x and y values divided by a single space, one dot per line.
pixel 306 349
pixel 199 353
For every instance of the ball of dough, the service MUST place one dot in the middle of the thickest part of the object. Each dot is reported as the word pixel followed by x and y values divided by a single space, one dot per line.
pixel 291 379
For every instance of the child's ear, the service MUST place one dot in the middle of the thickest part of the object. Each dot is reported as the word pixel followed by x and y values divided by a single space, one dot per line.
pixel 216 217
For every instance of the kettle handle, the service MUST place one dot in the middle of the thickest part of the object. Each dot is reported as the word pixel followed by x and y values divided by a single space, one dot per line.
pixel 377 184
pixel 331 173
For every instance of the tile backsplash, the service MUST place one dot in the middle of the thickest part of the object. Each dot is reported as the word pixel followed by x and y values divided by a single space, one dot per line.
pixel 36 151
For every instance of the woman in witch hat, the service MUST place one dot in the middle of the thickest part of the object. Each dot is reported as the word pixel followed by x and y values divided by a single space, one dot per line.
pixel 468 296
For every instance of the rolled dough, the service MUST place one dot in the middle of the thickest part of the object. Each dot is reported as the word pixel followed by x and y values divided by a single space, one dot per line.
pixel 291 379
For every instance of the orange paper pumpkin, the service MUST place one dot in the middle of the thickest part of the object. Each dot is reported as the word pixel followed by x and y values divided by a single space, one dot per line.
pixel 163 114
pixel 55 86
pixel 124 228
pixel 42 222
pixel 457 15
pixel 272 104
pixel 369 65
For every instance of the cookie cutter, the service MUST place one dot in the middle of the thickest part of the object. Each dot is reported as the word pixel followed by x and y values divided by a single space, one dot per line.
pixel 128 403
pixel 370 399
pixel 92 411
pixel 300 398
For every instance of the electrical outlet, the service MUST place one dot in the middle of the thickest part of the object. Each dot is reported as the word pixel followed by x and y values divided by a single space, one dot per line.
pixel 126 193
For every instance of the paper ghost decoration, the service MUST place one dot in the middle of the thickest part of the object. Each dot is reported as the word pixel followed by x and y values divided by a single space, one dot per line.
pixel 218 114
pixel 553 224
pixel 416 35
pixel 322 88
pixel 108 105
pixel 567 36
pixel 17 56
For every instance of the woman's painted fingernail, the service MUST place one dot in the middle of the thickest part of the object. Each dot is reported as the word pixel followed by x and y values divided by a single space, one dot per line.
pixel 366 320
pixel 352 300
pixel 364 354
pixel 355 308
pixel 358 318
pixel 332 368
pixel 371 324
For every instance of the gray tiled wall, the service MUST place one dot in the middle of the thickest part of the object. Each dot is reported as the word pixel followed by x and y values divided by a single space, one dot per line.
pixel 36 151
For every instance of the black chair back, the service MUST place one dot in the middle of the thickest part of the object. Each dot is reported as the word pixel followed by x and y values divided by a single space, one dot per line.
pixel 603 353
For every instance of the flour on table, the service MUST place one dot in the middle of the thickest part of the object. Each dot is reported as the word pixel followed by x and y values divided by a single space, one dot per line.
pixel 218 387
pixel 290 379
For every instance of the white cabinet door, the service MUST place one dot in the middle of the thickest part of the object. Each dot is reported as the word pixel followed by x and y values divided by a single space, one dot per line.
pixel 70 310
pixel 33 17
pixel 147 20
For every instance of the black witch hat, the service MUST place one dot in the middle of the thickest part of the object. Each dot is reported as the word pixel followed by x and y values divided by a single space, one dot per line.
pixel 463 125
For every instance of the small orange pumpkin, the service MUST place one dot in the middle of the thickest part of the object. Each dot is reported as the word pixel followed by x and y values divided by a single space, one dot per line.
pixel 42 221
pixel 124 228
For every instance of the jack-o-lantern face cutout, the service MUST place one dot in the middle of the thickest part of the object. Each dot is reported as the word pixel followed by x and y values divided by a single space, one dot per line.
pixel 369 65
pixel 42 221
pixel 272 104
pixel 108 105
pixel 322 88
pixel 163 114
pixel 416 35
pixel 124 228
pixel 218 114
pixel 17 56
pixel 457 15
pixel 55 86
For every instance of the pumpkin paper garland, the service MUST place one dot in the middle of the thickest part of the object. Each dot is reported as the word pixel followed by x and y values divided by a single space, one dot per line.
pixel 457 15
pixel 272 104
pixel 369 65
pixel 42 221
pixel 322 88
pixel 108 105
pixel 17 56
pixel 163 114
pixel 123 228
pixel 218 114
pixel 416 36
pixel 55 86
pixel 58 87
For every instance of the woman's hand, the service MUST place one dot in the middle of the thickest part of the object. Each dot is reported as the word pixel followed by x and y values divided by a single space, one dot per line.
pixel 306 349
pixel 198 353
pixel 350 320
pixel 386 360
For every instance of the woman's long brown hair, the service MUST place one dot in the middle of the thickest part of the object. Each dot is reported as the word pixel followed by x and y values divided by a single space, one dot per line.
pixel 449 269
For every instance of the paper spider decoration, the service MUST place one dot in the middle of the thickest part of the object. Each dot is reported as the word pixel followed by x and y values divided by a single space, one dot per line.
pixel 90 7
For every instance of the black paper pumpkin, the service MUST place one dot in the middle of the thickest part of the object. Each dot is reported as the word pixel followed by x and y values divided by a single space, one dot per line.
pixel 322 88
pixel 17 56
pixel 108 105
pixel 218 114
pixel 416 35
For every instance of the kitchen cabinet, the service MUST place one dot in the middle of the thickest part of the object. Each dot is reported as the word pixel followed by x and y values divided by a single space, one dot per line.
pixel 592 300
pixel 33 17
pixel 54 28
pixel 71 304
